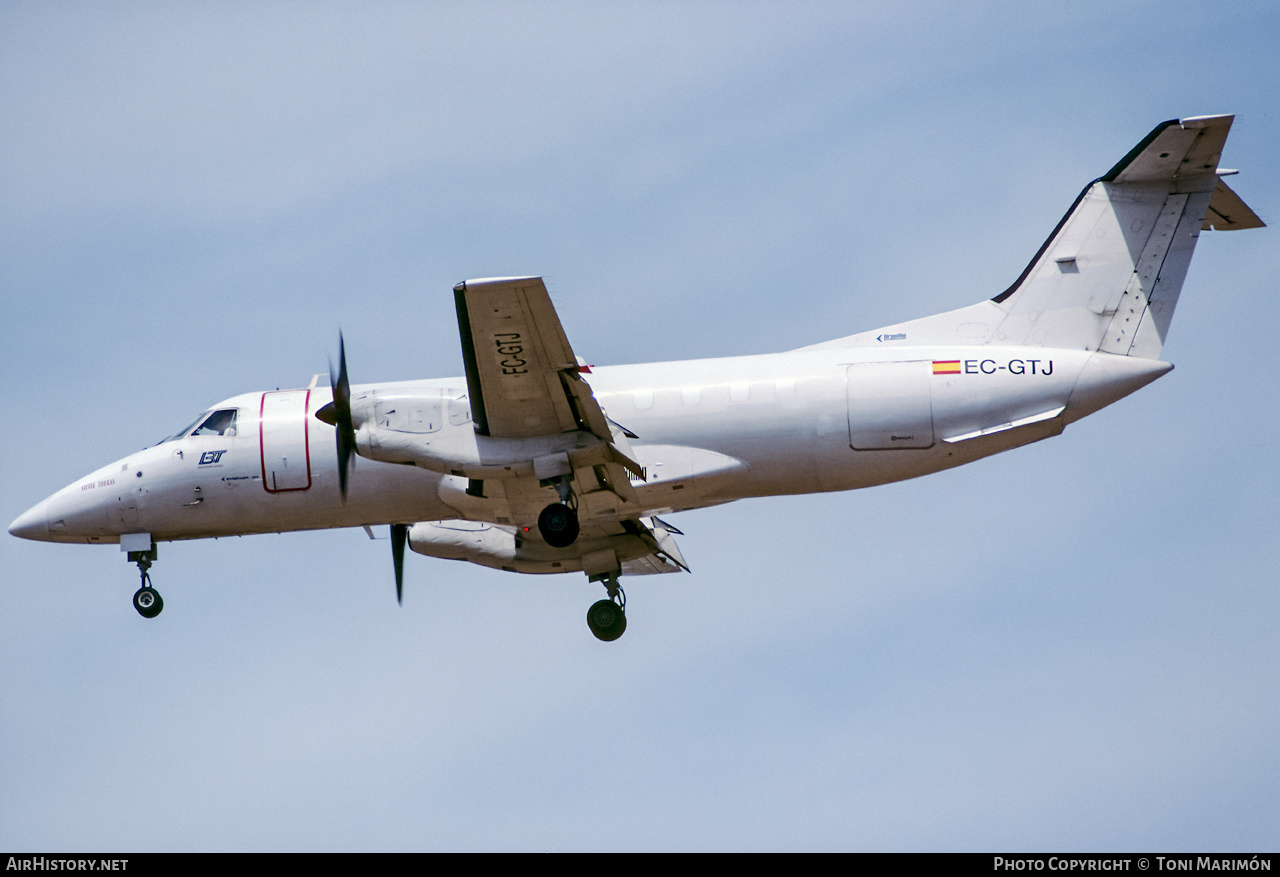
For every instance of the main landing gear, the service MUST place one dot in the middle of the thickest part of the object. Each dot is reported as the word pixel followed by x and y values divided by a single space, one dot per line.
pixel 558 525
pixel 558 522
pixel 607 618
pixel 146 599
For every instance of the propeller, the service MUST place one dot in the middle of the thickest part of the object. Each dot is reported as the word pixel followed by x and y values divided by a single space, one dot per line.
pixel 338 415
pixel 399 534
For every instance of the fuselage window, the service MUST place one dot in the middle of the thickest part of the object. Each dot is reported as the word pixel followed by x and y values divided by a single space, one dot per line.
pixel 219 423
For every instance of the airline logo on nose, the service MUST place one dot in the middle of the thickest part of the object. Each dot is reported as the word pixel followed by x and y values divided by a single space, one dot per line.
pixel 210 457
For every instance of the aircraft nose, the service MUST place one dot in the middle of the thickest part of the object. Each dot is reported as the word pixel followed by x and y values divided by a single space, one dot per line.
pixel 33 523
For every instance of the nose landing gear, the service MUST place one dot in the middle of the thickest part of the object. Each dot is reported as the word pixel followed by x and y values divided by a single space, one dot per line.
pixel 146 599
pixel 607 618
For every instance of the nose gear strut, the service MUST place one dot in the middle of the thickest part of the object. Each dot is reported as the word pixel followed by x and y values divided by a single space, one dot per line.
pixel 146 599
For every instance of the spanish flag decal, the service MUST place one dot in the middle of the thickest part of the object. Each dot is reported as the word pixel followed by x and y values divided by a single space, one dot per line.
pixel 946 366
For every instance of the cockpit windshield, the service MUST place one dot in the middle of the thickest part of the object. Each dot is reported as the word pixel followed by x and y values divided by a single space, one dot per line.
pixel 220 422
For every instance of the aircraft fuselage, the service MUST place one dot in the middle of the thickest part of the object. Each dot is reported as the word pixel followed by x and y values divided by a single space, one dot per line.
pixel 707 432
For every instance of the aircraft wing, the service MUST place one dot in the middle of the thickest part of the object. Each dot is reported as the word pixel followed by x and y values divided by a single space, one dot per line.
pixel 521 372
pixel 524 380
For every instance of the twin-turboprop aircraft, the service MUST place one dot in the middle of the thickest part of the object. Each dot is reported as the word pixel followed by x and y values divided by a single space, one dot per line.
pixel 535 463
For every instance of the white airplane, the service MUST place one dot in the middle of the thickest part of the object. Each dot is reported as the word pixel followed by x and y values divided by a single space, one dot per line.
pixel 536 463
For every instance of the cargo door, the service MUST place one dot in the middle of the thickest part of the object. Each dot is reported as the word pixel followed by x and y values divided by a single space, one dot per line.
pixel 889 405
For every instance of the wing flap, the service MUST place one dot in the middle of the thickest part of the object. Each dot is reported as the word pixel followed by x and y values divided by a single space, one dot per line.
pixel 649 565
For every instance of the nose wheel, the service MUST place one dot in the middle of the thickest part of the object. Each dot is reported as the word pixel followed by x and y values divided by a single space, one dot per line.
pixel 146 599
pixel 608 618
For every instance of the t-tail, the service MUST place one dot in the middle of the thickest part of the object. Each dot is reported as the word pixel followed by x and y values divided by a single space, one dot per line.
pixel 1108 277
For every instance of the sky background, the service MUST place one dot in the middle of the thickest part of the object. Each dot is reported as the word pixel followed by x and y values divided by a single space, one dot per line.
pixel 1070 646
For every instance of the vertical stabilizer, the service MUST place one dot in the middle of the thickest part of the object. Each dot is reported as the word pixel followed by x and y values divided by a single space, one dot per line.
pixel 1109 276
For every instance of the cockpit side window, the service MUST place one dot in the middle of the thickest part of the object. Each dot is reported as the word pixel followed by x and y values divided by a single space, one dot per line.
pixel 221 422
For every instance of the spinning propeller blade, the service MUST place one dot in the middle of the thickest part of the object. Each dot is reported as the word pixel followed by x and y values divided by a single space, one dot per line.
pixel 399 534
pixel 338 415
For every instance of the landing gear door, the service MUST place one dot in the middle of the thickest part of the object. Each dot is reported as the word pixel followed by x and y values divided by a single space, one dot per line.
pixel 286 461
pixel 889 405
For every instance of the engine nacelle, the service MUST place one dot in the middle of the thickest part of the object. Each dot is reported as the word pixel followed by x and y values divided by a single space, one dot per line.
pixel 465 540
pixel 407 425
pixel 507 548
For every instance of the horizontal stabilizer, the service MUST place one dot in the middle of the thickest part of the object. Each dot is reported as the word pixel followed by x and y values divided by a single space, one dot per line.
pixel 1185 148
pixel 1227 212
